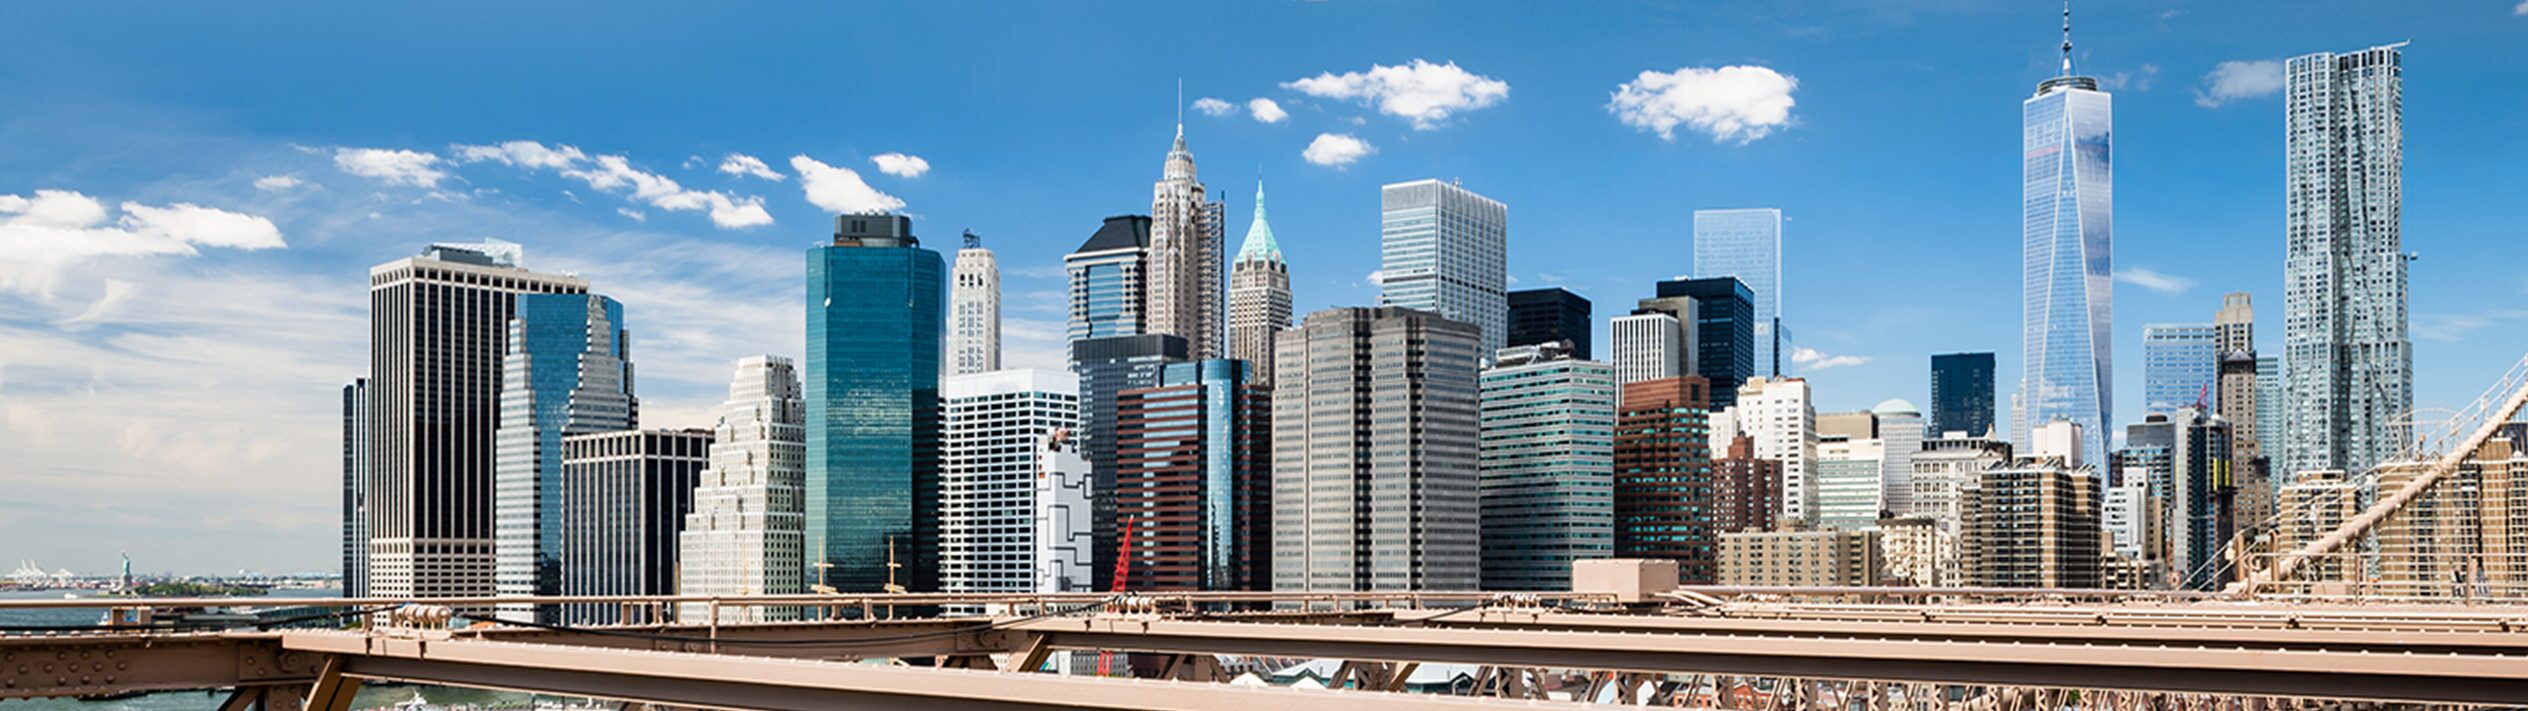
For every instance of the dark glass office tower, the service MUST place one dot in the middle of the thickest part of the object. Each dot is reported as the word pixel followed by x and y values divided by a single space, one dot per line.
pixel 624 499
pixel 1107 368
pixel 1550 314
pixel 1962 394
pixel 1194 456
pixel 876 310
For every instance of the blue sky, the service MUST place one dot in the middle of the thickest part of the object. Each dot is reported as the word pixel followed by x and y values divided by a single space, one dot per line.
pixel 190 194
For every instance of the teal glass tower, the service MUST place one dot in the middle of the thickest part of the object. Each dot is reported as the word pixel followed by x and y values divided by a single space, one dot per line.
pixel 876 315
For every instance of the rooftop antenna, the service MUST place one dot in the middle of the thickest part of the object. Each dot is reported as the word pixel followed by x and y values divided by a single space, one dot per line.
pixel 2067 37
pixel 1180 98
pixel 973 241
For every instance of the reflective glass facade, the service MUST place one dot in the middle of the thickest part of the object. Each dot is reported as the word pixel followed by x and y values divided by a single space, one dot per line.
pixel 1444 249
pixel 1962 394
pixel 1548 467
pixel 876 314
pixel 2066 132
pixel 567 372
pixel 1107 281
pixel 2180 361
pixel 1747 244
pixel 1195 478
pixel 2348 365
pixel 1108 367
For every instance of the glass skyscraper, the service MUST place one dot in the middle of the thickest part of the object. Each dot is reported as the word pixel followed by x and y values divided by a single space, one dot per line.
pixel 2068 211
pixel 2347 365
pixel 1444 249
pixel 1747 244
pixel 876 311
pixel 2180 361
pixel 1962 394
pixel 567 372
pixel 1716 318
pixel 1107 285
pixel 1548 463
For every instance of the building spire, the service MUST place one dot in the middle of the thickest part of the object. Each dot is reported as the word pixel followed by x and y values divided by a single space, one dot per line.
pixel 1259 242
pixel 2066 49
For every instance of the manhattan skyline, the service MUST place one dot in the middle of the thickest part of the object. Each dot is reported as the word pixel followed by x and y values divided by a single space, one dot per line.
pixel 183 406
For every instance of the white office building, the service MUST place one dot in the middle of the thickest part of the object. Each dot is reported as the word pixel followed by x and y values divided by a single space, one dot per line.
pixel 1444 249
pixel 747 533
pixel 991 426
pixel 1648 346
pixel 974 310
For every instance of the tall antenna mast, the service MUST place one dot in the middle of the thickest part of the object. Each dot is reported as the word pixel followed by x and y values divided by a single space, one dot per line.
pixel 2066 41
pixel 1180 81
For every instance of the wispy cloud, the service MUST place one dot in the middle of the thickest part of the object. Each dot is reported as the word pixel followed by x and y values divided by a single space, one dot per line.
pixel 2456 327
pixel 1813 359
pixel 1734 104
pixel 1336 149
pixel 743 164
pixel 2231 81
pixel 56 229
pixel 1209 106
pixel 1421 92
pixel 2153 280
pixel 617 174
pixel 277 183
pixel 393 166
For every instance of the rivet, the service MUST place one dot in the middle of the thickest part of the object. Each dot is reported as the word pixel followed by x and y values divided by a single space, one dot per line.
pixel 121 666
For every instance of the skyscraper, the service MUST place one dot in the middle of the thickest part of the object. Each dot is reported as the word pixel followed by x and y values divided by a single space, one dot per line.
pixel 1374 452
pixel 1962 394
pixel 974 310
pixel 875 316
pixel 1664 493
pixel 2067 307
pixel 1779 415
pixel 1849 491
pixel 1900 437
pixel 1063 531
pixel 1550 314
pixel 747 534
pixel 1717 320
pixel 1444 249
pixel 2200 493
pixel 438 333
pixel 1746 490
pixel 2270 397
pixel 1108 367
pixel 1108 279
pixel 2235 392
pixel 2033 523
pixel 1259 295
pixel 1747 245
pixel 355 488
pixel 568 371
pixel 1187 241
pixel 987 487
pixel 1649 346
pixel 1195 452
pixel 2181 362
pixel 2348 367
pixel 625 495
pixel 1548 466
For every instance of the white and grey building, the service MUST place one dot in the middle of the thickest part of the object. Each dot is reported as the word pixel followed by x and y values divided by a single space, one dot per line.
pixel 974 310
pixel 747 533
pixel 1259 295
pixel 625 495
pixel 1649 346
pixel 1445 250
pixel 992 427
pixel 2348 367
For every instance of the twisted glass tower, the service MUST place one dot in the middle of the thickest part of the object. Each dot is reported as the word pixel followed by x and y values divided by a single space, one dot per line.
pixel 2067 204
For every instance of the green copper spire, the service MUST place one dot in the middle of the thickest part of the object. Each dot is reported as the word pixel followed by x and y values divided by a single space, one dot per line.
pixel 1259 234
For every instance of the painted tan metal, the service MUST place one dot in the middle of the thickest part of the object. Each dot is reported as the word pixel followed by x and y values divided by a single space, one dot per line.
pixel 333 691
pixel 733 681
pixel 103 664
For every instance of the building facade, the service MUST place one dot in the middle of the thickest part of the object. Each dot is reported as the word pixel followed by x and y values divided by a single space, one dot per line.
pixel 1194 478
pixel 875 316
pixel 568 371
pixel 1664 490
pixel 1716 319
pixel 1548 464
pixel 1548 315
pixel 1375 448
pixel 992 424
pixel 1746 245
pixel 974 310
pixel 1778 415
pixel 438 335
pixel 1108 279
pixel 1445 250
pixel 1064 534
pixel 1796 556
pixel 625 496
pixel 1188 250
pixel 1107 367
pixel 2348 366
pixel 1746 490
pixel 2067 288
pixel 1648 346
pixel 1962 394
pixel 2181 363
pixel 355 488
pixel 1849 492
pixel 747 534
pixel 2033 523
pixel 1259 295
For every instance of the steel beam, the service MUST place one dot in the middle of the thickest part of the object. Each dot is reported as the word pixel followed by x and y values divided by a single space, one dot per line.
pixel 110 664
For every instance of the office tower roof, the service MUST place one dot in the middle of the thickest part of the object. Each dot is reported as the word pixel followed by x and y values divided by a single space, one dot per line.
pixel 1259 242
pixel 1119 232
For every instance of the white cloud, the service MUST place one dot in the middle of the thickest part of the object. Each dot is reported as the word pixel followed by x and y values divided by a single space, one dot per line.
pixel 43 235
pixel 839 189
pixel 1421 92
pixel 391 165
pixel 1735 103
pixel 1213 107
pixel 743 164
pixel 1266 110
pixel 2153 280
pixel 1813 359
pixel 2521 10
pixel 2230 81
pixel 2137 81
pixel 277 183
pixel 901 165
pixel 1336 149
pixel 616 174
pixel 636 215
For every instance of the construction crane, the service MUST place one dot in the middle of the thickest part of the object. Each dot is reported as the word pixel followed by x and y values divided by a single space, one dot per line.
pixel 2288 564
